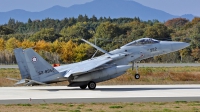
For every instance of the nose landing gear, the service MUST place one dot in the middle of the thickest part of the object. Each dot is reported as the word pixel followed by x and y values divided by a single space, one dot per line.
pixel 137 75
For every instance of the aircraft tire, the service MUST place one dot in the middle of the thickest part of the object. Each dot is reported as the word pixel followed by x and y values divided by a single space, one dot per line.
pixel 83 86
pixel 91 85
pixel 137 76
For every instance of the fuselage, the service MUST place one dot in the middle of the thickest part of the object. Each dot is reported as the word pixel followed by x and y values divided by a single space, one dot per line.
pixel 134 51
pixel 148 49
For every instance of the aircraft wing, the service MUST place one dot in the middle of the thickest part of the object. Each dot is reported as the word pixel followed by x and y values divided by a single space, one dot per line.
pixel 87 66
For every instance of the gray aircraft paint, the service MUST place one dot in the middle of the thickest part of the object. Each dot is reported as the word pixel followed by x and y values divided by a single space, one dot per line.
pixel 23 68
pixel 99 75
pixel 110 65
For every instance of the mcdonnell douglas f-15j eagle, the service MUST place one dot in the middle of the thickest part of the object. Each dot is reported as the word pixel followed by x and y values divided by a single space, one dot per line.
pixel 35 70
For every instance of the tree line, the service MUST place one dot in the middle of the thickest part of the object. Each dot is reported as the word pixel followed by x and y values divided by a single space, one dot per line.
pixel 58 41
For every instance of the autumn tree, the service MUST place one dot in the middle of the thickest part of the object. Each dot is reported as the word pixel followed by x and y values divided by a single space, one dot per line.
pixel 81 52
pixel 55 47
pixel 68 51
pixel 5 31
pixel 195 36
pixel 196 54
pixel 12 43
pixel 48 35
pixel 105 33
pixel 27 44
pixel 176 22
pixel 158 31
pixel 42 45
pixel 136 31
pixel 107 30
pixel 75 31
pixel 195 20
pixel 2 42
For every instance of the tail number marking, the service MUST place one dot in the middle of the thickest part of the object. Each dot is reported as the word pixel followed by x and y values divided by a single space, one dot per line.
pixel 46 71
pixel 153 49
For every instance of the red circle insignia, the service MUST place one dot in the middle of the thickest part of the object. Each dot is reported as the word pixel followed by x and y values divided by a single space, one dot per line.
pixel 34 59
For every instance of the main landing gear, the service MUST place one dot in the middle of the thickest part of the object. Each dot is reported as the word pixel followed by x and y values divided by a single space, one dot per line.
pixel 83 87
pixel 137 75
pixel 91 85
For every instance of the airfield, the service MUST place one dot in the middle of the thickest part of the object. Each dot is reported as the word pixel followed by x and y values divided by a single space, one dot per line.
pixel 140 65
pixel 109 93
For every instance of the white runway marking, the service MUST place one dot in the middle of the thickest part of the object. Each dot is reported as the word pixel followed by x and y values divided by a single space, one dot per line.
pixel 115 93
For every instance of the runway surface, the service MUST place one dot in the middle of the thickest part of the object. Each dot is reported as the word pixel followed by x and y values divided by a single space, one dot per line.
pixel 114 93
pixel 8 66
pixel 140 65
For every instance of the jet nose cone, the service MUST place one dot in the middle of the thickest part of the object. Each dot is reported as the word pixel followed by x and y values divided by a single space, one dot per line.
pixel 179 45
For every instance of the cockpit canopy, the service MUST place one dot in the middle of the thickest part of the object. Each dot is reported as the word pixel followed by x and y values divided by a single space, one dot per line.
pixel 143 41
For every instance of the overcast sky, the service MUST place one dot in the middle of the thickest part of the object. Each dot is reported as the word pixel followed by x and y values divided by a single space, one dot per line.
pixel 175 7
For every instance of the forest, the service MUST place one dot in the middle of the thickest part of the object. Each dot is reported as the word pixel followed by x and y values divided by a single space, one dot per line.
pixel 58 41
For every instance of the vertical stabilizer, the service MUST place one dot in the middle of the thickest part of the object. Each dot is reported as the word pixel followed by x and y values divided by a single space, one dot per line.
pixel 38 67
pixel 20 58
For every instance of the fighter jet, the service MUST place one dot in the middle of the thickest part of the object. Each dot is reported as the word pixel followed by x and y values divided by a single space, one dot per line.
pixel 36 71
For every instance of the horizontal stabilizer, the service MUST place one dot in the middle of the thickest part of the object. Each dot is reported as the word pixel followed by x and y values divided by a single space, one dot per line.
pixel 21 81
pixel 32 82
pixel 12 79
pixel 26 82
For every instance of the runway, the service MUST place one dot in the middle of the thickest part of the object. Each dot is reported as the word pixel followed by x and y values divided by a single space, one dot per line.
pixel 140 65
pixel 114 93
pixel 8 66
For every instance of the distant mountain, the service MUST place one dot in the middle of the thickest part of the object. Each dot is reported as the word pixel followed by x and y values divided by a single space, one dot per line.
pixel 188 16
pixel 104 8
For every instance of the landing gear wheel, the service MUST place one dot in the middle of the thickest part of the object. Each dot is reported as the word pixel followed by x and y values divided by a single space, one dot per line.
pixel 137 76
pixel 83 87
pixel 91 85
